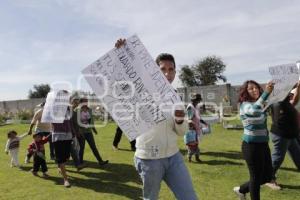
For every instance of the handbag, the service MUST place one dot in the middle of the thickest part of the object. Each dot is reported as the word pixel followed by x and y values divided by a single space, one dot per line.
pixel 206 129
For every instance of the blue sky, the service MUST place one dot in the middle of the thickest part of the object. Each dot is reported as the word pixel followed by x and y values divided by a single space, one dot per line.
pixel 45 41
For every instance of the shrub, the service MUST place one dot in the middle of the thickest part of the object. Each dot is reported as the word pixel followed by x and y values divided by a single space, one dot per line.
pixel 24 115
pixel 2 118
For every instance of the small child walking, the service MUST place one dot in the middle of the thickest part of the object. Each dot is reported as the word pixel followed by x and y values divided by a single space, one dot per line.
pixel 191 141
pixel 37 149
pixel 192 136
pixel 12 147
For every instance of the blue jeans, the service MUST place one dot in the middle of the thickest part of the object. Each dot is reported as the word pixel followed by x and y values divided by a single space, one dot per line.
pixel 281 146
pixel 172 170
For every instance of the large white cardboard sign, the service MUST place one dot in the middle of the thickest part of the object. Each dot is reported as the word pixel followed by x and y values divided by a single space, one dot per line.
pixel 132 88
pixel 284 77
pixel 55 107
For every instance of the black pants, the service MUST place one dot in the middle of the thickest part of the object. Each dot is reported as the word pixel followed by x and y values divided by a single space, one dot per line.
pixel 259 162
pixel 91 141
pixel 118 137
pixel 75 154
pixel 62 151
pixel 39 162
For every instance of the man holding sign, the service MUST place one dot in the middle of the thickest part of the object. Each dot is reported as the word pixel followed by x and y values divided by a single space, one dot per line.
pixel 157 155
pixel 284 132
pixel 141 100
pixel 285 127
pixel 132 88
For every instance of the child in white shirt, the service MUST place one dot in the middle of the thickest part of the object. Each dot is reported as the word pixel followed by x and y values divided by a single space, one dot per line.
pixel 12 147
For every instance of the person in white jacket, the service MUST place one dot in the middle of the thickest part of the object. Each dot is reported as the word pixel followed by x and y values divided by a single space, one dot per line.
pixel 157 155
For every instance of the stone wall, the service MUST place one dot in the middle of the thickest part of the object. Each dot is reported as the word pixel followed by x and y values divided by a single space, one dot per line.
pixel 225 94
pixel 212 94
pixel 18 105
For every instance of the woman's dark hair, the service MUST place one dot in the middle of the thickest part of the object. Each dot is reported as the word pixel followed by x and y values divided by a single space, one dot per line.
pixel 165 56
pixel 244 95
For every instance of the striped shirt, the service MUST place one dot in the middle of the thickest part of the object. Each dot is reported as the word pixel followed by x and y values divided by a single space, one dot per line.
pixel 254 120
pixel 14 143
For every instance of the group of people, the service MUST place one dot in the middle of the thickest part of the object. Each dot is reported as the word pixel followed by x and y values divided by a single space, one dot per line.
pixel 284 132
pixel 65 139
pixel 196 123
pixel 157 157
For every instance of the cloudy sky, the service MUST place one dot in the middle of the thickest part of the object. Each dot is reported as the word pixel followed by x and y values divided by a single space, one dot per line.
pixel 45 41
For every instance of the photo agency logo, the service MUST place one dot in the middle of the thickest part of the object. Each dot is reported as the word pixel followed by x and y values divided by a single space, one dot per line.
pixel 120 102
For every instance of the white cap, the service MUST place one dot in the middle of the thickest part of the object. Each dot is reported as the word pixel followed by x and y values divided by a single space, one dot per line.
pixel 179 106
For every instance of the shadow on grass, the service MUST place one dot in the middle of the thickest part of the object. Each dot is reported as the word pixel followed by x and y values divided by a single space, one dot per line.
pixel 56 180
pixel 102 186
pixel 228 154
pixel 118 172
pixel 112 178
pixel 123 149
pixel 26 168
pixel 220 162
pixel 290 169
pixel 292 187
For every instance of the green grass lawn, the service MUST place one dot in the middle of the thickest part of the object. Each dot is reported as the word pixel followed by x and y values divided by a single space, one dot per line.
pixel 221 170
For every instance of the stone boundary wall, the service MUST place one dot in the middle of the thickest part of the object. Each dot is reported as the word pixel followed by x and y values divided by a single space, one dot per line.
pixel 19 105
pixel 225 94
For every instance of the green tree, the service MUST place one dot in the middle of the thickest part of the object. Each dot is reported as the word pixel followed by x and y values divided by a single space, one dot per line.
pixel 187 77
pixel 207 71
pixel 39 91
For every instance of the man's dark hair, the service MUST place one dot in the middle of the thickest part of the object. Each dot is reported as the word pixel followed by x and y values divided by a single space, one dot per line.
pixel 165 56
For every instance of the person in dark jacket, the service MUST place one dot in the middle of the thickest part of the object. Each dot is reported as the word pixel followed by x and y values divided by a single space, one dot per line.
pixel 86 128
pixel 284 133
pixel 77 139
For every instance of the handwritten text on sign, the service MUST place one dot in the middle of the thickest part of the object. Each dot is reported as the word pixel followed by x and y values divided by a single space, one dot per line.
pixel 131 86
pixel 284 77
pixel 55 107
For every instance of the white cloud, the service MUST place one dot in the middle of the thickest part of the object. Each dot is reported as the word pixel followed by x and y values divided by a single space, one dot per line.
pixel 51 40
pixel 193 29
